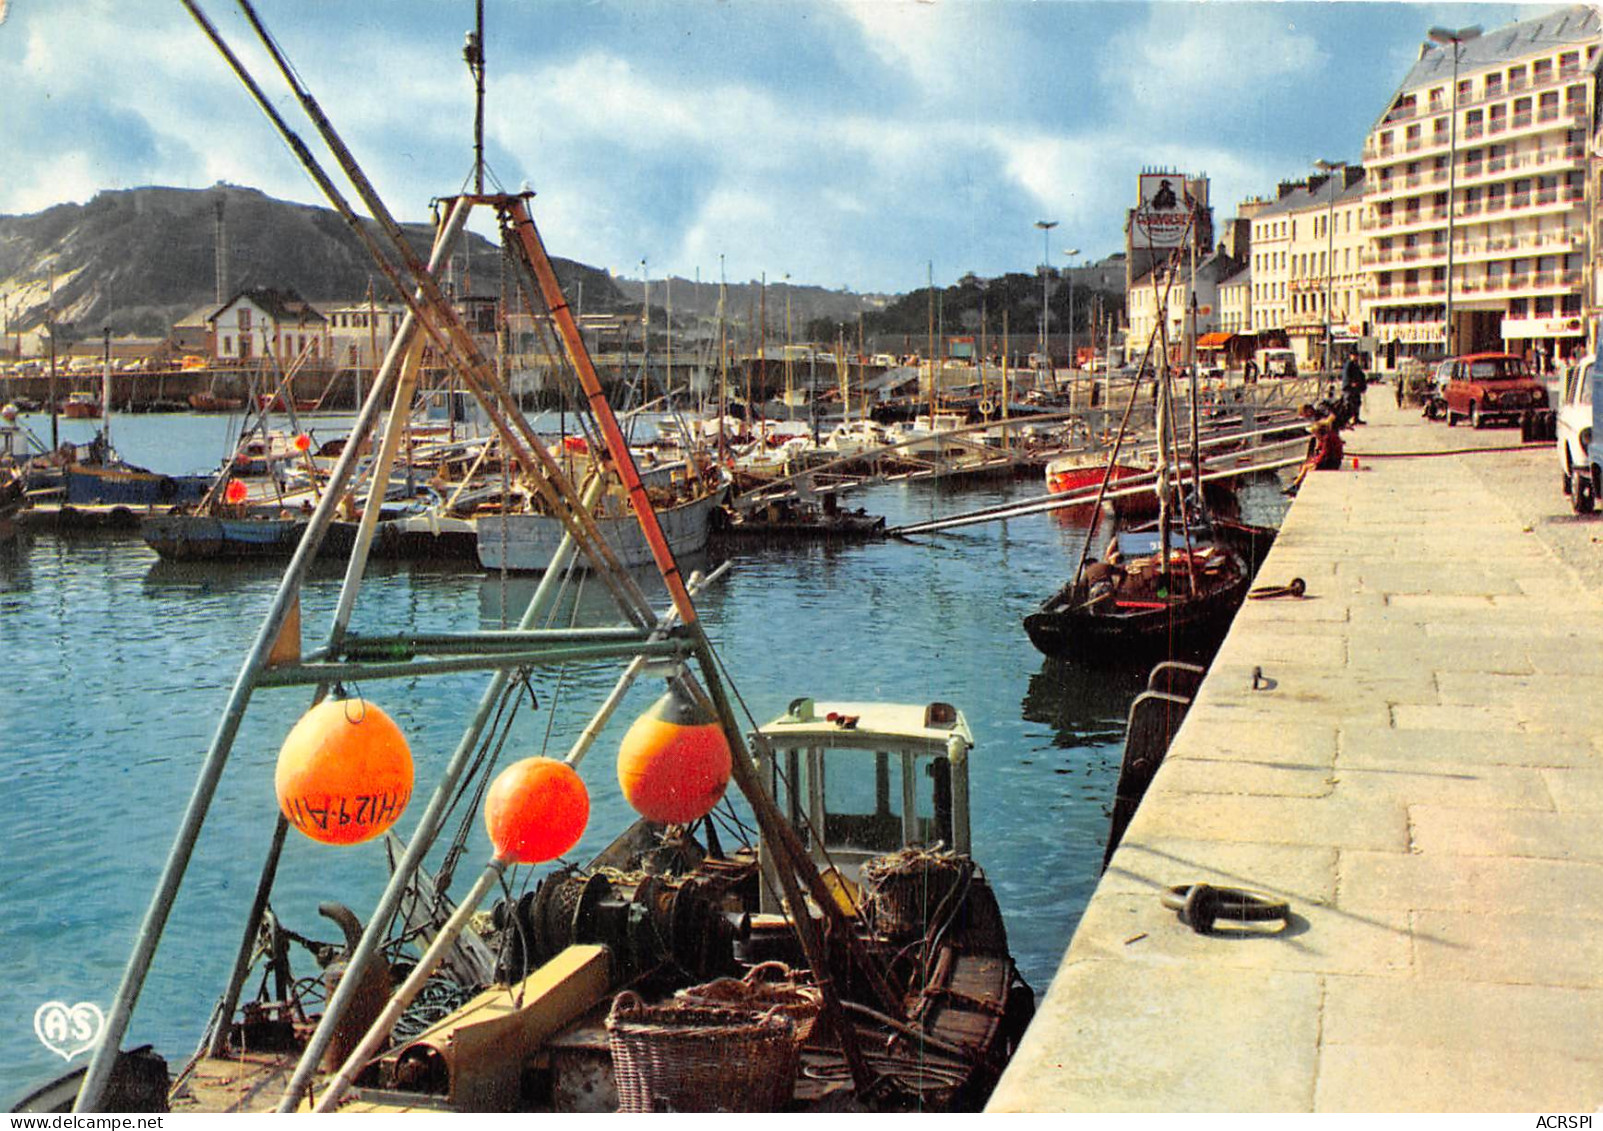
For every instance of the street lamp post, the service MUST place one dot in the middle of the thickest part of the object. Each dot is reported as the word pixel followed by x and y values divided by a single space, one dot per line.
pixel 1046 227
pixel 1331 186
pixel 1457 38
pixel 1069 253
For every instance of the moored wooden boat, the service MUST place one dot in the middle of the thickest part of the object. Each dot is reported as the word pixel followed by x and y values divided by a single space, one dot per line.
pixel 523 541
pixel 81 406
pixel 1126 607
pixel 210 402
pixel 793 519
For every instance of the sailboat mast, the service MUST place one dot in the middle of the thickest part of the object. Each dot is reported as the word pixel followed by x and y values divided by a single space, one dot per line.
pixel 932 341
pixel 1165 582
pixel 105 391
pixel 790 364
pixel 1191 358
pixel 473 52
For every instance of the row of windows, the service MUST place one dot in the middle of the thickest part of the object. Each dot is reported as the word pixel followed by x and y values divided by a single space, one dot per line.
pixel 1516 114
pixel 360 321
pixel 1541 264
pixel 1494 84
pixel 1301 264
pixel 295 343
pixel 1520 192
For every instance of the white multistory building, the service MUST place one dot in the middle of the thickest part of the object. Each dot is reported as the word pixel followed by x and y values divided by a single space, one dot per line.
pixel 1479 165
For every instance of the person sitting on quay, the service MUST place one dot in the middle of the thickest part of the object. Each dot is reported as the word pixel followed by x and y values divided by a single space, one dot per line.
pixel 1325 451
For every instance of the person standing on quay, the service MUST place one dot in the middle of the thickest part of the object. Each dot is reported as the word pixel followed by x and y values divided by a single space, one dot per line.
pixel 1353 383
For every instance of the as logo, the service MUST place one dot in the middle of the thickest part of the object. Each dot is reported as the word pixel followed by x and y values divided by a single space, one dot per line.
pixel 68 1030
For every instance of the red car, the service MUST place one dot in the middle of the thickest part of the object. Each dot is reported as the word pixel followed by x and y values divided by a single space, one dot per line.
pixel 1486 386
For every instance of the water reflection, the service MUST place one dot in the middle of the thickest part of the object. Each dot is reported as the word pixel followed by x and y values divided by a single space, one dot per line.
pixel 1083 705
pixel 582 598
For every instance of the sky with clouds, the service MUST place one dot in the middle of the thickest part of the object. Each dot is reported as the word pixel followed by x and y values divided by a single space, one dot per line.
pixel 844 143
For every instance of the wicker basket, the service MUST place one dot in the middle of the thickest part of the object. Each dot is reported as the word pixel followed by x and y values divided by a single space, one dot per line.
pixel 771 985
pixel 681 1057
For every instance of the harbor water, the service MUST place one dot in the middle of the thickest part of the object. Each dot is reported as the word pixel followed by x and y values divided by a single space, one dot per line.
pixel 117 667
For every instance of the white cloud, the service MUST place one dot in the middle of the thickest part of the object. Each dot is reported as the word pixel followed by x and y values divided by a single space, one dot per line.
pixel 1192 60
pixel 71 176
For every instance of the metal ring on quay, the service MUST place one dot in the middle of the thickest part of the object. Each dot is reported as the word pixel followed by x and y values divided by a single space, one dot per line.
pixel 1296 588
pixel 1201 905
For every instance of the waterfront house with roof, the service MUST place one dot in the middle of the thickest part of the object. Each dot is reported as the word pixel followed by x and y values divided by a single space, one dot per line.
pixel 268 322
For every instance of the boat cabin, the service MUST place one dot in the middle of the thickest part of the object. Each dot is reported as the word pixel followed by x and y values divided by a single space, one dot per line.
pixel 860 780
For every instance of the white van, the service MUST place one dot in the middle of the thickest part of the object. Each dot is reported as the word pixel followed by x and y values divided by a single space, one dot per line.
pixel 1275 363
pixel 1574 427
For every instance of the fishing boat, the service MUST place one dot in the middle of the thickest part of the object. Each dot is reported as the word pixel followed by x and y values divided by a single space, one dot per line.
pixel 211 402
pixel 849 955
pixel 524 541
pixel 1168 588
pixel 81 406
pixel 1077 471
pixel 1143 599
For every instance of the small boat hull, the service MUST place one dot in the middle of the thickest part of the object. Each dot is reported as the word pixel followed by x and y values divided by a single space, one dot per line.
pixel 528 542
pixel 1134 622
pixel 91 485
pixel 206 402
pixel 427 537
pixel 1066 476
pixel 1180 628
pixel 197 537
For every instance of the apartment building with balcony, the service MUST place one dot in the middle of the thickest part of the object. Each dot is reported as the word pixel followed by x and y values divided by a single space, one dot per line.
pixel 1497 199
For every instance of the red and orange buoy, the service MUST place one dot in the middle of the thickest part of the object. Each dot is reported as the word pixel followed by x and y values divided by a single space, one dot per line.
pixel 536 810
pixel 674 762
pixel 344 773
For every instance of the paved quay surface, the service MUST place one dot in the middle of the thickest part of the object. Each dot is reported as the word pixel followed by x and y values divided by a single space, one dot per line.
pixel 1422 778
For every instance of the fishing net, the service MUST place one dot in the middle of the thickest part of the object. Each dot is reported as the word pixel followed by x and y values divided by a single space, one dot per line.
pixel 907 891
pixel 771 985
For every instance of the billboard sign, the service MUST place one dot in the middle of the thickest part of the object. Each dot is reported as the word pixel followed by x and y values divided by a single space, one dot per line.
pixel 1164 211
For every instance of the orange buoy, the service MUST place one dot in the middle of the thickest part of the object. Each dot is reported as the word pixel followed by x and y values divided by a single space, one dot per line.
pixel 236 491
pixel 536 810
pixel 674 763
pixel 344 773
pixel 303 442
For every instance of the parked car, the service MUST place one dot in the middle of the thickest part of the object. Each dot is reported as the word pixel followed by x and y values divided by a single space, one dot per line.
pixel 1431 388
pixel 1482 387
pixel 1275 363
pixel 1575 432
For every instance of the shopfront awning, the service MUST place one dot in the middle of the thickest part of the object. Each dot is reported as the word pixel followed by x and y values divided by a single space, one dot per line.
pixel 1213 341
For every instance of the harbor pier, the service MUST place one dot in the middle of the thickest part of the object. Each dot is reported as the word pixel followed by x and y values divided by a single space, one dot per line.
pixel 1411 757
